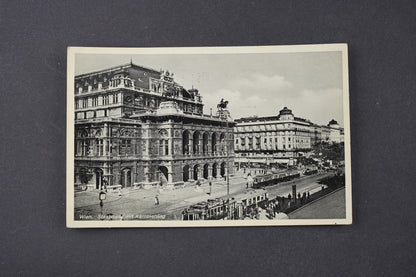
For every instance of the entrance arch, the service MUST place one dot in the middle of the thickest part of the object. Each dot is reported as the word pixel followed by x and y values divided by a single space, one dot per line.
pixel 206 171
pixel 83 176
pixel 222 170
pixel 186 173
pixel 164 176
pixel 98 174
pixel 196 170
pixel 126 178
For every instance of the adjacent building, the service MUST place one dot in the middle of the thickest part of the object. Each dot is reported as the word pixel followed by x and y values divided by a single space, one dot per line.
pixel 280 139
pixel 135 126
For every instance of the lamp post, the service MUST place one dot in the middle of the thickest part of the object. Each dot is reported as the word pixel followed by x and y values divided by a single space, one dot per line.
pixel 221 106
pixel 101 197
pixel 228 167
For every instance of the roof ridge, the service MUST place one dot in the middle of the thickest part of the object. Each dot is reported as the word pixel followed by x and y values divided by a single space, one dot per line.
pixel 113 68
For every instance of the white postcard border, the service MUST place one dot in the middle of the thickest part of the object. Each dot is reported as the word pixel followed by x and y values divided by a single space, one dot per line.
pixel 72 51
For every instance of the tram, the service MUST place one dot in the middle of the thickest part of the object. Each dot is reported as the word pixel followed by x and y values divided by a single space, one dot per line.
pixel 311 171
pixel 218 208
pixel 274 178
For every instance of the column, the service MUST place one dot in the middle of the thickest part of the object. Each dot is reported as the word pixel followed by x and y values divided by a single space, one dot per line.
pixel 146 174
pixel 170 177
pixel 170 174
pixel 209 145
pixel 170 142
pixel 201 144
pixel 191 144
pixel 200 172
pixel 218 167
pixel 209 172
pixel 117 176
pixel 191 173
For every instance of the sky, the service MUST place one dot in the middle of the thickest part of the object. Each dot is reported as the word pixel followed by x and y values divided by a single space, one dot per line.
pixel 308 83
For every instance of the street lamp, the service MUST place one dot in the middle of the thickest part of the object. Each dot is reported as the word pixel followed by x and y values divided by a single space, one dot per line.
pixel 102 196
pixel 221 107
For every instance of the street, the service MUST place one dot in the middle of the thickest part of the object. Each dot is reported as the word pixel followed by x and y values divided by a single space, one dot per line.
pixel 139 204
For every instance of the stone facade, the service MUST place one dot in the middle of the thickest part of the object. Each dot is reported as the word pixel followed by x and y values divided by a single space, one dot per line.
pixel 135 126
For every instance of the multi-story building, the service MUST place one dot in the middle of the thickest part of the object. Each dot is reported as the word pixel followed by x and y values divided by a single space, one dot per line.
pixel 336 134
pixel 280 139
pixel 137 126
pixel 274 139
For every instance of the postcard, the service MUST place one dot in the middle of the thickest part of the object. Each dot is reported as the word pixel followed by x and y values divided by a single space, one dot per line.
pixel 208 136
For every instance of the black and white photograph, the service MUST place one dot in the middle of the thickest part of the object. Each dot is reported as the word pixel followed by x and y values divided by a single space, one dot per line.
pixel 208 136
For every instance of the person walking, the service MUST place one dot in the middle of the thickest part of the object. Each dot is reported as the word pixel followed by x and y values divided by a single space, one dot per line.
pixel 156 200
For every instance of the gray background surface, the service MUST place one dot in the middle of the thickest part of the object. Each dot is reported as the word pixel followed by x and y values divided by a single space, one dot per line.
pixel 34 239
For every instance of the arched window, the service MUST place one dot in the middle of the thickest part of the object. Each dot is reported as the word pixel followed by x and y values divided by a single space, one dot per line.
pixel 185 142
pixel 196 142
pixel 205 143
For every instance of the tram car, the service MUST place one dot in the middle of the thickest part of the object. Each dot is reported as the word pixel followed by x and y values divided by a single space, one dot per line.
pixel 216 209
pixel 212 209
pixel 311 171
pixel 249 201
pixel 260 181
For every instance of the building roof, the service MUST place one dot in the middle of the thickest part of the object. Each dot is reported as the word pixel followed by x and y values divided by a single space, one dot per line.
pixel 116 68
pixel 285 110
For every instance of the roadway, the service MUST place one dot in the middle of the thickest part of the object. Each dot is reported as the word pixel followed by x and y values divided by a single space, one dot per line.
pixel 139 203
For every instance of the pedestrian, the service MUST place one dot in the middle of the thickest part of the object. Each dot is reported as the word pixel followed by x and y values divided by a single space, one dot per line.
pixel 119 192
pixel 156 200
pixel 247 185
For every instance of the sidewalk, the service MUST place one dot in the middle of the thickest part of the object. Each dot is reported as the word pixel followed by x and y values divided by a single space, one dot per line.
pixel 189 193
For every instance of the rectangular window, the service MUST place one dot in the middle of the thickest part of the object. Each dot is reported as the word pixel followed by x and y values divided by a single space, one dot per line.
pixel 84 103
pixel 95 101
pixel 125 148
pixel 161 147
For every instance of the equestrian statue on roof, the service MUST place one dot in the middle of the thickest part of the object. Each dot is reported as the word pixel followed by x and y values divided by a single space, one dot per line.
pixel 223 104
